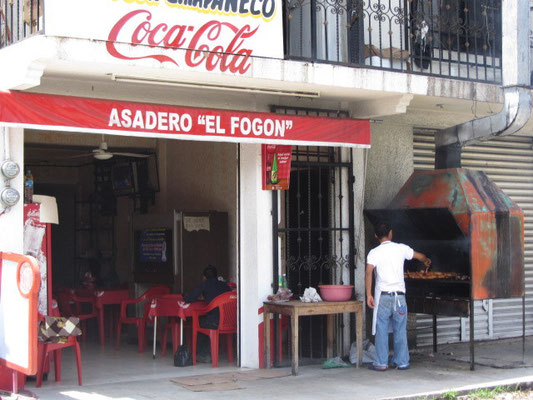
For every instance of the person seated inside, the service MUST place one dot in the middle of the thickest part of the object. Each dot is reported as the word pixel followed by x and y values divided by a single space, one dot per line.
pixel 209 288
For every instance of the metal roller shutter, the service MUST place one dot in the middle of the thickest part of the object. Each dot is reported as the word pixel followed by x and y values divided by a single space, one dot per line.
pixel 508 161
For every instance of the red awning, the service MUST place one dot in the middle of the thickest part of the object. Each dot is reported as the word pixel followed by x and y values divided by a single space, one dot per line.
pixel 79 114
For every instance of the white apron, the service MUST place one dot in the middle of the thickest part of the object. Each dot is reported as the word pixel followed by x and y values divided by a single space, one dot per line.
pixel 377 296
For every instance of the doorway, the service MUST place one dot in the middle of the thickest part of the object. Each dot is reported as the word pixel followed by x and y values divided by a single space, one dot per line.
pixel 315 235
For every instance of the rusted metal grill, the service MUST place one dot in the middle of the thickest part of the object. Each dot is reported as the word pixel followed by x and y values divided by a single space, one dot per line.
pixel 473 233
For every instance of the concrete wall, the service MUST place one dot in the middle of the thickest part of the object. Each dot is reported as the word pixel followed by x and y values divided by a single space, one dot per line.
pixel 360 157
pixel 390 163
pixel 11 223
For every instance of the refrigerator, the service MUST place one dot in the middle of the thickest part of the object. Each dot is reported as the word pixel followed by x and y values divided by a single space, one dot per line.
pixel 173 248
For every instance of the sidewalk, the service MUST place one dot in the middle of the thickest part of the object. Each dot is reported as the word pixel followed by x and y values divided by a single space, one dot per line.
pixel 126 375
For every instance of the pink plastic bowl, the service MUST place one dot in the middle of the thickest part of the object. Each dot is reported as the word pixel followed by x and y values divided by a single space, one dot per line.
pixel 336 292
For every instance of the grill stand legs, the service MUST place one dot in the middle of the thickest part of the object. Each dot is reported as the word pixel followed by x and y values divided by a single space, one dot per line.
pixel 434 333
pixel 523 329
pixel 472 329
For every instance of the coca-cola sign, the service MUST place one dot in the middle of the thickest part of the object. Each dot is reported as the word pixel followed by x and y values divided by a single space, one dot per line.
pixel 210 35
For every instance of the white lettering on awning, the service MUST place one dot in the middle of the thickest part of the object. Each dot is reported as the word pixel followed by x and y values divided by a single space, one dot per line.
pixel 150 120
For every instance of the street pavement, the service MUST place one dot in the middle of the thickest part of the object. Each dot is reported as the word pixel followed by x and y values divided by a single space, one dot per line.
pixel 126 375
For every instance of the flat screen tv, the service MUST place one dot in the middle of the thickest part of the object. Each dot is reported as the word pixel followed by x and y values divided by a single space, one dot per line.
pixel 123 179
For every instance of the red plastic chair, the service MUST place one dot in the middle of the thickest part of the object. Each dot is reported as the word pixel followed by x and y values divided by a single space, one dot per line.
pixel 72 305
pixel 44 350
pixel 140 322
pixel 166 306
pixel 227 305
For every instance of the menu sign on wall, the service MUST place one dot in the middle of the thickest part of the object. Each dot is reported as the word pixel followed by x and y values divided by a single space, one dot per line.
pixel 218 35
pixel 153 246
pixel 276 161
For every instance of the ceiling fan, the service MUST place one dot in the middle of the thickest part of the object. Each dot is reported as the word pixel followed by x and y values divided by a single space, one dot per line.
pixel 102 153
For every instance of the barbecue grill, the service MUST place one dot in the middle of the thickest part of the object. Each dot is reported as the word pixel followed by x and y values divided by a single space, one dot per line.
pixel 473 233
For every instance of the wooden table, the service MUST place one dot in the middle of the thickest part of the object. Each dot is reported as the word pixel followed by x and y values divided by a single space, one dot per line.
pixel 296 308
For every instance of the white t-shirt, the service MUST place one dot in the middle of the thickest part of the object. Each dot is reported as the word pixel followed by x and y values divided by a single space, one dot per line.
pixel 388 258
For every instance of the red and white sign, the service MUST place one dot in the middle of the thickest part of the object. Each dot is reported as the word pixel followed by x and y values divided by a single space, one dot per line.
pixel 276 166
pixel 19 284
pixel 218 35
pixel 77 114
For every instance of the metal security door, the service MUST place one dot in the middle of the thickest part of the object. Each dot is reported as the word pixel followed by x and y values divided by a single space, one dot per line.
pixel 313 232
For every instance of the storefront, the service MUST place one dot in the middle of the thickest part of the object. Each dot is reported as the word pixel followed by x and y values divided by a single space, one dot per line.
pixel 216 164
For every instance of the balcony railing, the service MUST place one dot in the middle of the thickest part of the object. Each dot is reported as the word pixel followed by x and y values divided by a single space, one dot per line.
pixel 19 19
pixel 452 38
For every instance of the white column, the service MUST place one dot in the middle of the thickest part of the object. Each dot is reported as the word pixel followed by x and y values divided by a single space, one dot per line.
pixel 255 250
pixel 11 223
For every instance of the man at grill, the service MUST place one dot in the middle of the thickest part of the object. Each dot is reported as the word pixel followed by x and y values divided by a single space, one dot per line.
pixel 389 302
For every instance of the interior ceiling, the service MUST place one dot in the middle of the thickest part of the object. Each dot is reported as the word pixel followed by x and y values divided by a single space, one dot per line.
pixel 44 147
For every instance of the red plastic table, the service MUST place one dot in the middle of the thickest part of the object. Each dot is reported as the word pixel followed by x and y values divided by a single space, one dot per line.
pixel 167 306
pixel 106 297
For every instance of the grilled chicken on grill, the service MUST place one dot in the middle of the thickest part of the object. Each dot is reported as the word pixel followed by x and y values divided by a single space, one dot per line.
pixel 436 275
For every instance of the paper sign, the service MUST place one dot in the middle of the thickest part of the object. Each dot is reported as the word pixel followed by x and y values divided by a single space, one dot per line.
pixel 48 209
pixel 196 223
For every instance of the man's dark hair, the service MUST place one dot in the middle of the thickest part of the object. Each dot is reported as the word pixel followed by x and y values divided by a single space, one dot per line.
pixel 210 272
pixel 382 229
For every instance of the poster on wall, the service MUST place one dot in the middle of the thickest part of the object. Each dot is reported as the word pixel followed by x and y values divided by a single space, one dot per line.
pixel 153 246
pixel 212 35
pixel 36 244
pixel 276 162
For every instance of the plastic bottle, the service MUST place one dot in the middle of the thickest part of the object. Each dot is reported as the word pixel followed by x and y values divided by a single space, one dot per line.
pixel 268 171
pixel 28 187
pixel 282 281
pixel 274 172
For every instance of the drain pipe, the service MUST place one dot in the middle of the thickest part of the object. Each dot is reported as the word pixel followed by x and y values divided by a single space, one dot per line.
pixel 516 89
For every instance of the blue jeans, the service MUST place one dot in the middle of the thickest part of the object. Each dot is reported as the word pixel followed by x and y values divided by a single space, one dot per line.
pixel 395 308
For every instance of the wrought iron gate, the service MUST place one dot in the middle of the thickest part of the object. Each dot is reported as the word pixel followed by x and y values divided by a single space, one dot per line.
pixel 313 233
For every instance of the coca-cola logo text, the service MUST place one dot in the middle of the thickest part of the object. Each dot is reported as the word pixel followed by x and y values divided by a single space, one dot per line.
pixel 215 44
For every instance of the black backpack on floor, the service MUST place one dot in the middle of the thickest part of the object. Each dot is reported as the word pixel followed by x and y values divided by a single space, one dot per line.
pixel 182 357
